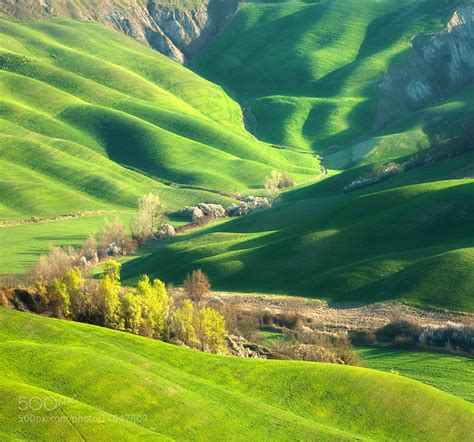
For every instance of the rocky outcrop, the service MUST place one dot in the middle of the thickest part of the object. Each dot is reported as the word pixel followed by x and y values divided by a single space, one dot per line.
pixel 438 66
pixel 177 29
pixel 239 346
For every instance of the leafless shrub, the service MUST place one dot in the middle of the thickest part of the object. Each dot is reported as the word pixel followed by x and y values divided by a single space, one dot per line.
pixel 308 345
pixel 286 181
pixel 242 322
pixel 54 265
pixel 112 239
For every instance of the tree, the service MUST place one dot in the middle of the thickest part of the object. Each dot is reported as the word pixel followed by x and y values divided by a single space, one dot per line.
pixel 149 219
pixel 272 185
pixel 112 269
pixel 74 285
pixel 89 250
pixel 155 302
pixel 132 312
pixel 197 286
pixel 109 291
pixel 59 301
pixel 212 330
pixel 183 324
pixel 113 240
pixel 52 266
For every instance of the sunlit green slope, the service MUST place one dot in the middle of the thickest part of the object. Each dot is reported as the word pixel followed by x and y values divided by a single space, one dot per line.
pixel 79 101
pixel 134 388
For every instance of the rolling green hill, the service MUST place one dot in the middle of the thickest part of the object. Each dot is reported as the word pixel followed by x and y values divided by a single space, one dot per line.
pixel 177 393
pixel 409 238
pixel 309 69
pixel 79 102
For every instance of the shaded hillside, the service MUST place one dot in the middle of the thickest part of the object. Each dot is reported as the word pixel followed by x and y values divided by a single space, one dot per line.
pixel 309 70
pixel 409 238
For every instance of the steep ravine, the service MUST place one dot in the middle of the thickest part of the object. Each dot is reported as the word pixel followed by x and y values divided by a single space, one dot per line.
pixel 438 65
pixel 177 29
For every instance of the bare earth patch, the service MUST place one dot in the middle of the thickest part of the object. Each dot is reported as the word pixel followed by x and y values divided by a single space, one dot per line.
pixel 341 317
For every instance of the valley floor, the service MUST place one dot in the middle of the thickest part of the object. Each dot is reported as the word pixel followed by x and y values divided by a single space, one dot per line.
pixel 340 317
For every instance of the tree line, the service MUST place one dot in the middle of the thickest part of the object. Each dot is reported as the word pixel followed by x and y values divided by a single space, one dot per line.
pixel 148 309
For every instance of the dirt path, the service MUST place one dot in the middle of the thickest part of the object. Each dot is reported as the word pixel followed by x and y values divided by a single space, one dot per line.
pixel 343 317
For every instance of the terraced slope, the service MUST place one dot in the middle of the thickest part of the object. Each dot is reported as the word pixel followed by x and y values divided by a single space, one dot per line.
pixel 177 393
pixel 80 103
pixel 409 238
pixel 309 69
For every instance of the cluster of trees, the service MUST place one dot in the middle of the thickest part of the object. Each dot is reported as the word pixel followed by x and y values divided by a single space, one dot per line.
pixel 148 309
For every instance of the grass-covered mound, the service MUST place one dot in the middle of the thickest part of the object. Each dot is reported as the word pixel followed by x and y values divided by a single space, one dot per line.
pixel 408 238
pixel 188 395
pixel 309 69
pixel 80 101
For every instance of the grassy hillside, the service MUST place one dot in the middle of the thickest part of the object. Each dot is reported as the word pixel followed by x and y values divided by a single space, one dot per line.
pixel 79 102
pixel 407 238
pixel 308 69
pixel 410 134
pixel 184 394
pixel 451 373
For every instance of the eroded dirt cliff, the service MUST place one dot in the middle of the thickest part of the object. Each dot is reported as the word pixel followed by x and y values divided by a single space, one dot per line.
pixel 438 65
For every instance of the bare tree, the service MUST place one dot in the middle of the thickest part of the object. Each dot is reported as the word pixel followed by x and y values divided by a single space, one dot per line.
pixel 197 286
pixel 113 239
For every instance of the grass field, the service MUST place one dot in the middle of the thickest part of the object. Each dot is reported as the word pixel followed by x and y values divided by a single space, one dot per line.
pixel 451 373
pixel 87 101
pixel 22 245
pixel 308 69
pixel 407 238
pixel 186 395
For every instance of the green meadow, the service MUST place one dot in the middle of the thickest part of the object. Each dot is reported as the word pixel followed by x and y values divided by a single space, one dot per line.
pixel 22 245
pixel 176 393
pixel 451 373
